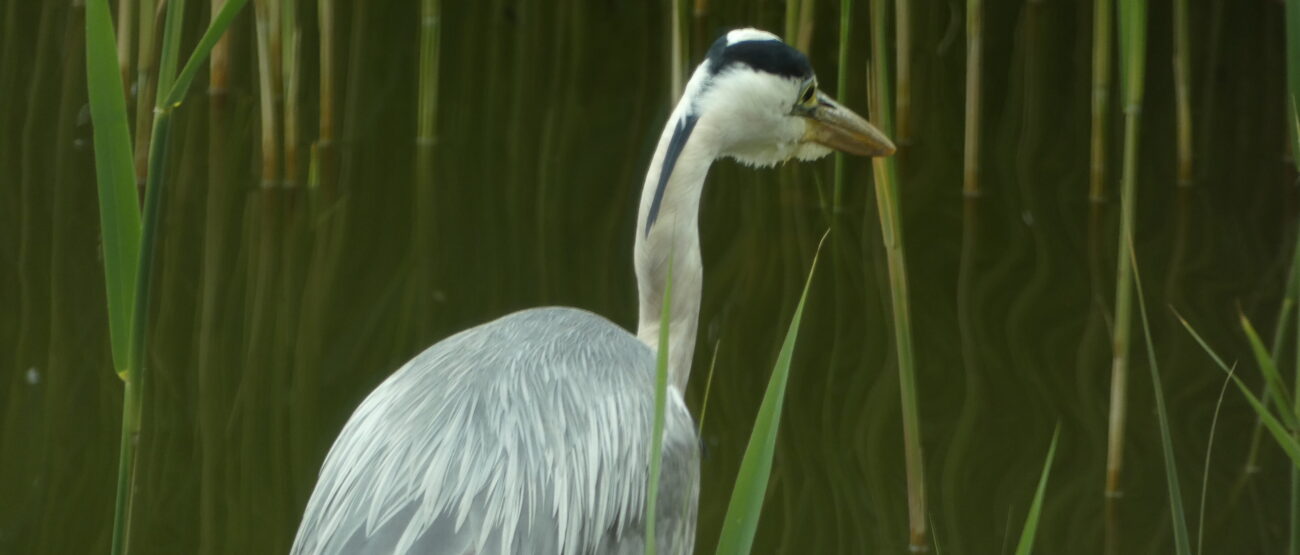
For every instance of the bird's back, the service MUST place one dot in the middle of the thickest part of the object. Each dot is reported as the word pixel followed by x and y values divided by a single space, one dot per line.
pixel 528 434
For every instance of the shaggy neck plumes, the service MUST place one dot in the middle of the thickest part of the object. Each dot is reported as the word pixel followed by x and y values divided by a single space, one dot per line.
pixel 667 233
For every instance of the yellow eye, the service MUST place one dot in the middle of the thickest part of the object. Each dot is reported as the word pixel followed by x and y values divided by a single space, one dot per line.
pixel 809 93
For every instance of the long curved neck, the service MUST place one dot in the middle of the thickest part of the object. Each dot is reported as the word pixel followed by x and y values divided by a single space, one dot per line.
pixel 667 236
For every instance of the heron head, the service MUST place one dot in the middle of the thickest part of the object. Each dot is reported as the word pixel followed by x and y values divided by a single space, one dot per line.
pixel 763 105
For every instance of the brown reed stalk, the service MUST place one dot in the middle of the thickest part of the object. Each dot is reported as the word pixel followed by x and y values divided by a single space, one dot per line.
pixel 125 36
pixel 903 79
pixel 1183 93
pixel 974 53
pixel 1102 51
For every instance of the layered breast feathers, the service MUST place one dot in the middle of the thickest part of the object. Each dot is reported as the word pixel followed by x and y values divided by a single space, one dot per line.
pixel 528 434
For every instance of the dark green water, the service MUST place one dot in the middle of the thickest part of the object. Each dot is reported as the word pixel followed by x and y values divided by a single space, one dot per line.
pixel 278 308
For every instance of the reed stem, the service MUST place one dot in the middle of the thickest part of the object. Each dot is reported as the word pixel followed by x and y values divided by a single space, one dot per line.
pixel 678 50
pixel 291 81
pixel 791 21
pixel 1183 93
pixel 903 52
pixel 803 38
pixel 323 165
pixel 268 63
pixel 974 51
pixel 1133 48
pixel 146 68
pixel 892 231
pixel 841 92
pixel 1102 43
pixel 426 141
pixel 125 35
pixel 1293 126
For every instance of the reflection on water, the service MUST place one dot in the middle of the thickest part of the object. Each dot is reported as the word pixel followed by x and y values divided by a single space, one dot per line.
pixel 278 308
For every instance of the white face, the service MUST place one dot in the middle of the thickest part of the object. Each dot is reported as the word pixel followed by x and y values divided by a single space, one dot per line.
pixel 756 116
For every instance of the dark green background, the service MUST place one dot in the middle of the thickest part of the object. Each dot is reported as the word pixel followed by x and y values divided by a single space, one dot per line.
pixel 277 309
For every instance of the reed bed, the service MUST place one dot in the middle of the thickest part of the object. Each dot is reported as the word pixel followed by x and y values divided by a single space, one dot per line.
pixel 294 289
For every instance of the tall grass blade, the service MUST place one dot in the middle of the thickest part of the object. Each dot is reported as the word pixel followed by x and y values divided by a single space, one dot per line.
pixel 1026 545
pixel 1275 388
pixel 1132 20
pixel 891 229
pixel 1182 540
pixel 661 398
pixel 746 504
pixel 119 208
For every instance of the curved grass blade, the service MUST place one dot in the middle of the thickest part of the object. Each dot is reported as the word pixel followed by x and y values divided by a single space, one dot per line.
pixel 746 504
pixel 1205 474
pixel 119 208
pixel 1026 545
pixel 1275 427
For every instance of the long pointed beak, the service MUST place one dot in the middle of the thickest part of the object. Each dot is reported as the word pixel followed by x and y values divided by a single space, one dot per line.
pixel 832 125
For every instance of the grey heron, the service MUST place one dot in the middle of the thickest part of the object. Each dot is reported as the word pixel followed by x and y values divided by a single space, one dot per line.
pixel 531 433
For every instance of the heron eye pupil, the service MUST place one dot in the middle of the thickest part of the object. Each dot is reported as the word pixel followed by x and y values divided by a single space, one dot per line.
pixel 808 94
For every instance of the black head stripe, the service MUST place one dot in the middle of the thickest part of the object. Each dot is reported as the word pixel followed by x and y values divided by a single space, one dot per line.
pixel 678 141
pixel 770 56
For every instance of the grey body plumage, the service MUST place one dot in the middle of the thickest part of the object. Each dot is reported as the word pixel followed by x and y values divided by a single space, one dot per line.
pixel 531 434
pixel 519 424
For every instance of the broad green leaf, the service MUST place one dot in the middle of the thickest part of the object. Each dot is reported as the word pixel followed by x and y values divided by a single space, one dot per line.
pixel 119 205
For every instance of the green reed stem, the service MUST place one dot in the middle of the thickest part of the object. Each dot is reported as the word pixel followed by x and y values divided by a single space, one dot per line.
pixel 892 231
pixel 974 51
pixel 1293 125
pixel 1102 51
pixel 1183 93
pixel 803 38
pixel 128 241
pixel 322 165
pixel 791 21
pixel 678 50
pixel 146 63
pixel 841 92
pixel 1132 19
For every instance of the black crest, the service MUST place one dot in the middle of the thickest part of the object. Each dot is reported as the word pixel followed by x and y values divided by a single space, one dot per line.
pixel 770 56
